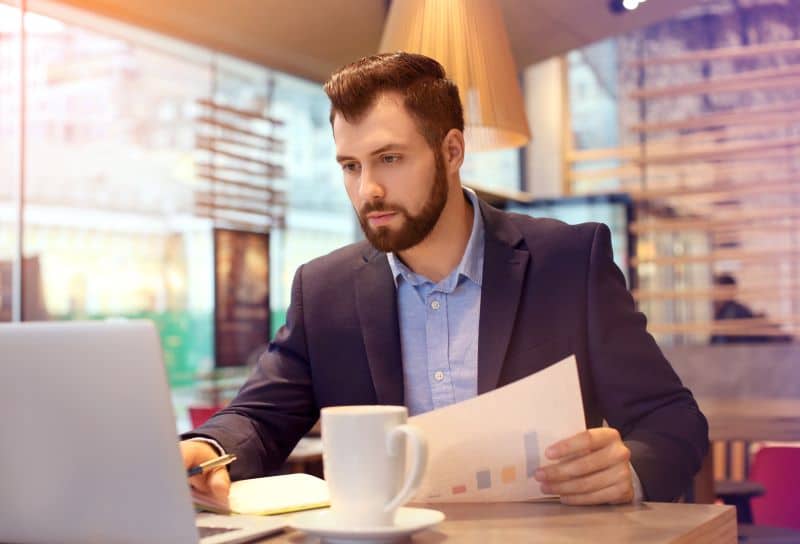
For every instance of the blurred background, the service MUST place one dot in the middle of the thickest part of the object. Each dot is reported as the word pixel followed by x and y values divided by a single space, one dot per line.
pixel 174 161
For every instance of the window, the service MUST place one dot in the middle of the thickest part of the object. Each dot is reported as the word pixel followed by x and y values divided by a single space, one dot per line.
pixel 10 26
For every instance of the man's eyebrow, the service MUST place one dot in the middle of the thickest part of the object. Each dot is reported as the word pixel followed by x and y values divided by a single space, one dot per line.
pixel 382 149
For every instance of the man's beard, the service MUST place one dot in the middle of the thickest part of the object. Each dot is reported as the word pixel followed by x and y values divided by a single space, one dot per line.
pixel 414 229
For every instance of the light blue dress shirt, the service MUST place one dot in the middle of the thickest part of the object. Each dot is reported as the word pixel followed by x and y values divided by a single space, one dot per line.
pixel 439 326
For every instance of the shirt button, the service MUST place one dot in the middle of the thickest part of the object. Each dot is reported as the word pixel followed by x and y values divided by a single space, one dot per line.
pixel 438 375
pixel 435 305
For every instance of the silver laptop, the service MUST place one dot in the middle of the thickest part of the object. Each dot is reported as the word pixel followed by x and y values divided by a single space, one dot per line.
pixel 88 446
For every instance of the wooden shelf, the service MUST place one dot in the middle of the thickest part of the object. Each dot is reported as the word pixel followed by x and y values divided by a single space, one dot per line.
pixel 740 255
pixel 722 53
pixel 247 114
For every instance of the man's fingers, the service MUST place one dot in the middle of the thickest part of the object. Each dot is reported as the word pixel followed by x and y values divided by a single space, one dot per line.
pixel 589 440
pixel 200 483
pixel 195 452
pixel 216 482
pixel 219 482
pixel 593 462
pixel 619 473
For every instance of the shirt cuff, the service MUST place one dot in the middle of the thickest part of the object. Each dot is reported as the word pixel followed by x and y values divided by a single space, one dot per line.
pixel 221 451
pixel 638 492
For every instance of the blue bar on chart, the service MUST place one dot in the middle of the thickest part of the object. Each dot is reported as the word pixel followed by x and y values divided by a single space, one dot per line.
pixel 483 479
pixel 531 453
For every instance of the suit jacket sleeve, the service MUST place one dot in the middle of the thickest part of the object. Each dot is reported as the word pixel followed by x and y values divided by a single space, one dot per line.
pixel 639 392
pixel 275 407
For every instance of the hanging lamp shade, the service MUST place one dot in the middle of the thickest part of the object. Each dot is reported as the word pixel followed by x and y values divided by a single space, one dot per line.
pixel 468 37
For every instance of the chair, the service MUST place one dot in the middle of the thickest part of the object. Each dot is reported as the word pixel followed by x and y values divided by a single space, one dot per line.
pixel 777 468
pixel 200 414
pixel 732 465
pixel 739 494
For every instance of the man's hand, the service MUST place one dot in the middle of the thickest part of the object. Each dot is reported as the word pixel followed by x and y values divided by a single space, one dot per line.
pixel 215 482
pixel 590 468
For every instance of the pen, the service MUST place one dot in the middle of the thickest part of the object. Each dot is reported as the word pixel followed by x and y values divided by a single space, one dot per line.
pixel 211 463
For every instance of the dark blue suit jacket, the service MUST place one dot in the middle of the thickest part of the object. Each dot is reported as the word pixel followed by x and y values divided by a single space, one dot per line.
pixel 549 290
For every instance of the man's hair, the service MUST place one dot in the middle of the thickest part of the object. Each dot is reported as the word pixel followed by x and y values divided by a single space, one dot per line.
pixel 724 279
pixel 430 98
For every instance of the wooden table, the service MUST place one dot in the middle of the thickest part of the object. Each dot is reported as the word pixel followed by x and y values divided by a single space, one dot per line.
pixel 510 523
pixel 752 419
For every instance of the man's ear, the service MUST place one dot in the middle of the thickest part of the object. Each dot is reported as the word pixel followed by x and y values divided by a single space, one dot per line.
pixel 453 150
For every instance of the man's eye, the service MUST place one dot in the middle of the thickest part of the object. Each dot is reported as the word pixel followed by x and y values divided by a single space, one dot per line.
pixel 349 167
pixel 389 159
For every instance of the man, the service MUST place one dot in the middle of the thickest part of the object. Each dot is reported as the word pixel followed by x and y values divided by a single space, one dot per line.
pixel 449 298
pixel 730 308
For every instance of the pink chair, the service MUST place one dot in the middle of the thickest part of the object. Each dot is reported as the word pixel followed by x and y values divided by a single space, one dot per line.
pixel 200 414
pixel 777 468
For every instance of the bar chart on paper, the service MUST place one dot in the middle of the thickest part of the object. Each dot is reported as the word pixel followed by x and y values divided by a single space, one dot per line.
pixel 491 481
pixel 496 460
pixel 508 474
pixel 486 478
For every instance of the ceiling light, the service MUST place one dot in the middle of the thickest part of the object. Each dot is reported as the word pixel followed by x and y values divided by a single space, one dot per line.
pixel 469 38
pixel 622 6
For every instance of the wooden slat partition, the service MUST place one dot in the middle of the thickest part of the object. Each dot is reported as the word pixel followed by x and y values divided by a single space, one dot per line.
pixel 237 168
pixel 716 191
pixel 254 224
pixel 722 53
pixel 777 255
pixel 767 215
pixel 243 144
pixel 247 114
pixel 719 293
pixel 224 183
pixel 746 328
pixel 772 79
pixel 203 201
pixel 765 161
pixel 701 152
pixel 207 169
pixel 270 168
pixel 775 116
pixel 719 190
pixel 271 140
pixel 267 200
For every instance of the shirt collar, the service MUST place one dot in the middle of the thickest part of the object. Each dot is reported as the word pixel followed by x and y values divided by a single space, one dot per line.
pixel 471 265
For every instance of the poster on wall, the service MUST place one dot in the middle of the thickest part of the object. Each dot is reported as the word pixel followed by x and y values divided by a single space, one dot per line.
pixel 241 314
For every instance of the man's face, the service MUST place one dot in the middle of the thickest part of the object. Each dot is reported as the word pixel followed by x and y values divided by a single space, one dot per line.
pixel 396 182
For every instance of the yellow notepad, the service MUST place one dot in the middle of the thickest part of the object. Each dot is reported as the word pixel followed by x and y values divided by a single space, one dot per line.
pixel 269 496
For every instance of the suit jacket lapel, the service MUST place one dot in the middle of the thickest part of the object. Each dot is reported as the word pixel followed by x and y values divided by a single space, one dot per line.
pixel 376 301
pixel 504 267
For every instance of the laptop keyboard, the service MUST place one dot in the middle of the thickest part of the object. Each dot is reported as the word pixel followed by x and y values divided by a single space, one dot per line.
pixel 211 531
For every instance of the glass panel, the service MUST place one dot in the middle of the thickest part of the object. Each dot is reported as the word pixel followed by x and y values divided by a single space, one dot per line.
pixel 594 108
pixel 110 230
pixel 492 169
pixel 9 149
pixel 613 210
pixel 319 216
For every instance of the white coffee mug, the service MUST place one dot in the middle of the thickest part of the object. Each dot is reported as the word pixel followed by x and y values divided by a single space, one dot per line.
pixel 364 454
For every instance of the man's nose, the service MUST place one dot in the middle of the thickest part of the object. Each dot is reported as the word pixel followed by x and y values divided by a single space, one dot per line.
pixel 369 188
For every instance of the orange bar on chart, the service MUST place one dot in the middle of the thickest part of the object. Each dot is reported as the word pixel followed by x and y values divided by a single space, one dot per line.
pixel 508 474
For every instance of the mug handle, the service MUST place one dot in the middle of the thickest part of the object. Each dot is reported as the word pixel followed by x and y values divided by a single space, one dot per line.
pixel 414 478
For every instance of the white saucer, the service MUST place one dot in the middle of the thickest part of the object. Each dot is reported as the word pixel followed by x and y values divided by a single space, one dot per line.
pixel 321 523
